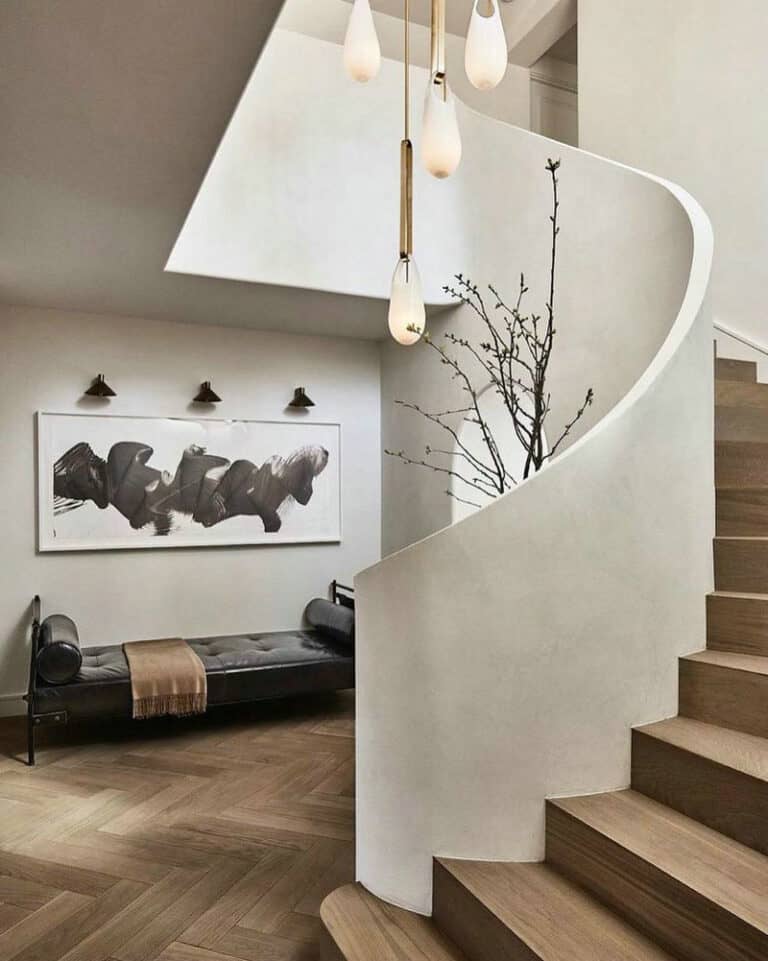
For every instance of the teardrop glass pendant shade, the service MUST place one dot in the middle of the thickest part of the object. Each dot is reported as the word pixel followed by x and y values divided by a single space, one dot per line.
pixel 407 317
pixel 362 53
pixel 485 54
pixel 440 137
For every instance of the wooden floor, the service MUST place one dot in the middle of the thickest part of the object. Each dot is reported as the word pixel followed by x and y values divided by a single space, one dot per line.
pixel 206 839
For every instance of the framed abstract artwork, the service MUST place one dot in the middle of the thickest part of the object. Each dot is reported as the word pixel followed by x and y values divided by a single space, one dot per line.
pixel 109 482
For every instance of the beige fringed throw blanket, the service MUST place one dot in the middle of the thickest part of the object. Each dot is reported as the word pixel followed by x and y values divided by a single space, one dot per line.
pixel 167 677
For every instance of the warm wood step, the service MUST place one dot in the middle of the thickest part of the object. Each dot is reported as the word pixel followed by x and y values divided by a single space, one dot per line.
pixel 699 894
pixel 741 564
pixel 738 623
pixel 727 369
pixel 714 775
pixel 741 463
pixel 742 512
pixel 530 912
pixel 730 690
pixel 361 927
pixel 732 393
pixel 741 424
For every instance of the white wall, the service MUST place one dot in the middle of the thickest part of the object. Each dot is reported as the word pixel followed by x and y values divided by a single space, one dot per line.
pixel 49 357
pixel 506 658
pixel 555 100
pixel 679 89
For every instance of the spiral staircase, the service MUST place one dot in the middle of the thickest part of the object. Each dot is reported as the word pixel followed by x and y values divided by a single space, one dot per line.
pixel 675 867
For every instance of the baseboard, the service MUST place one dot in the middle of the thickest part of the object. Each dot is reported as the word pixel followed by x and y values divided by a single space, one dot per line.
pixel 12 705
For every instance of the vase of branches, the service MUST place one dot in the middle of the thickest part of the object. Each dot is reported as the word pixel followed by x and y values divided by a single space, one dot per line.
pixel 512 358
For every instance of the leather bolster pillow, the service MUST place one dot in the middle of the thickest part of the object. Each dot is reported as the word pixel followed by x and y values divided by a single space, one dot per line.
pixel 58 652
pixel 332 620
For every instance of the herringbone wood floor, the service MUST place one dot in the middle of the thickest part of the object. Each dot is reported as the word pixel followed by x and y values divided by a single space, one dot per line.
pixel 203 839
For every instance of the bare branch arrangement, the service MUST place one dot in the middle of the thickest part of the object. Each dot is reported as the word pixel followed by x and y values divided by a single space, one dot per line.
pixel 513 358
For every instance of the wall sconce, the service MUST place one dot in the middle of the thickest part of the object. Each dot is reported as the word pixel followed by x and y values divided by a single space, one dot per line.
pixel 300 399
pixel 206 395
pixel 100 388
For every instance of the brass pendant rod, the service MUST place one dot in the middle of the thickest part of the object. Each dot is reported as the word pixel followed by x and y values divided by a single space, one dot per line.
pixel 406 153
pixel 407 60
pixel 437 40
pixel 406 198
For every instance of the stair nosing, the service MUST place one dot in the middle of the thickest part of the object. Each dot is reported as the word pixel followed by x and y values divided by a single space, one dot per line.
pixel 741 539
pixel 756 664
pixel 739 595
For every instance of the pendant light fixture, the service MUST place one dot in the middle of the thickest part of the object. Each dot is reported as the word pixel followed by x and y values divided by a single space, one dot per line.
pixel 485 54
pixel 406 305
pixel 362 54
pixel 440 137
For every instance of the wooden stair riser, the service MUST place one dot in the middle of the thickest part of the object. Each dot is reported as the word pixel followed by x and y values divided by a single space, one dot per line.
pixel 741 464
pixel 470 925
pixel 742 512
pixel 735 394
pixel 732 698
pixel 738 624
pixel 742 370
pixel 741 424
pixel 723 798
pixel 741 565
pixel 674 915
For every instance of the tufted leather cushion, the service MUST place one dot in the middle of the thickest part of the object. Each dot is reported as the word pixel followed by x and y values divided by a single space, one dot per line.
pixel 240 667
pixel 336 621
pixel 58 654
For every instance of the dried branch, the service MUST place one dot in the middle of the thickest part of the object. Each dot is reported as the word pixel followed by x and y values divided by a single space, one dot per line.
pixel 513 359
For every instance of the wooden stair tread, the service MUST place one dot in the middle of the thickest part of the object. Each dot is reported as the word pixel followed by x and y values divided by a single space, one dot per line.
pixel 723 871
pixel 750 663
pixel 365 928
pixel 743 595
pixel 739 537
pixel 554 918
pixel 742 752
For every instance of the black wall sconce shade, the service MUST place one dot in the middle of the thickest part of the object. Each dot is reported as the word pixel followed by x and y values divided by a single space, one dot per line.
pixel 206 395
pixel 300 398
pixel 100 388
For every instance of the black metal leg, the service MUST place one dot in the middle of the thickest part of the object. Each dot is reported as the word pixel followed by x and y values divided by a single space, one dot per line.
pixel 31 740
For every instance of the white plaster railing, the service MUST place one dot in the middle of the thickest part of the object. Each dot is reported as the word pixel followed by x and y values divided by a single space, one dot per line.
pixel 504 659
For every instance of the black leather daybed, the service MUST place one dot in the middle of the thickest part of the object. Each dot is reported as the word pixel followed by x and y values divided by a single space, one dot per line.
pixel 67 683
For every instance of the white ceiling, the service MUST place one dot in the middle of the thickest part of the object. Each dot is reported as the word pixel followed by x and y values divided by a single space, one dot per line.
pixel 111 111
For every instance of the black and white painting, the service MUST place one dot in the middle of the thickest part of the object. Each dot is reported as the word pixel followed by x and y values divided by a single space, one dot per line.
pixel 118 482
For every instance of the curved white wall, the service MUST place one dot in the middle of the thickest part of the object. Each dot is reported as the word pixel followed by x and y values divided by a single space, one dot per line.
pixel 504 659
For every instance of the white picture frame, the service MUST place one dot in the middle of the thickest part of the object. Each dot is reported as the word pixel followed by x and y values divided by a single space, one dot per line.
pixel 163 467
